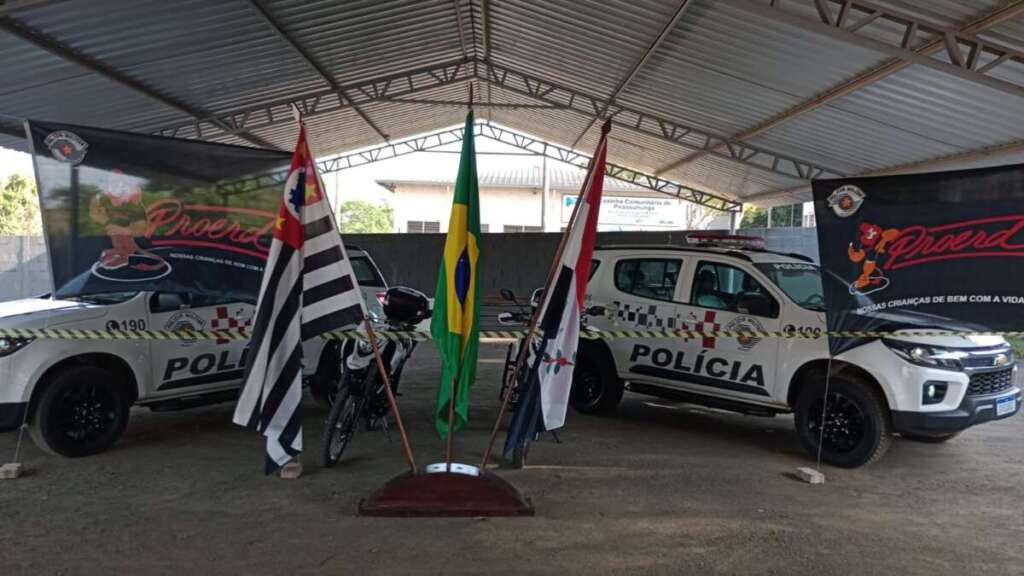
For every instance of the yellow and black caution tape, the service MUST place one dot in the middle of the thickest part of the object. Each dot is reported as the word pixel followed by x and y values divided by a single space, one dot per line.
pixel 238 334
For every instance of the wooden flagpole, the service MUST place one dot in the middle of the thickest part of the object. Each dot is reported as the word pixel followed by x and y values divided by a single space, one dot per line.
pixel 451 398
pixel 451 428
pixel 535 319
pixel 372 336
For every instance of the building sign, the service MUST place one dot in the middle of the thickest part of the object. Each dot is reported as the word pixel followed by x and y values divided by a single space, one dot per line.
pixel 632 211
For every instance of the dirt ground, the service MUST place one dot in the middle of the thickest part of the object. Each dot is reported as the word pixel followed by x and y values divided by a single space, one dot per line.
pixel 658 488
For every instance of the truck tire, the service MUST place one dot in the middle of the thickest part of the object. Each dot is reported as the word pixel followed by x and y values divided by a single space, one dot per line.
pixel 933 437
pixel 596 388
pixel 82 411
pixel 857 429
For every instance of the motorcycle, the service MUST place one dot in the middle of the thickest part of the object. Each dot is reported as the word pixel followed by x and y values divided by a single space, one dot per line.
pixel 521 318
pixel 360 396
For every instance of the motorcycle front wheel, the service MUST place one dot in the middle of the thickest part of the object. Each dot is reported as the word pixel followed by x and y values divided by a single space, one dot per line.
pixel 340 427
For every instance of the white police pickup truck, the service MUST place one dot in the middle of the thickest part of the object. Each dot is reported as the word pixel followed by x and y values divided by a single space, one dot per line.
pixel 75 395
pixel 922 388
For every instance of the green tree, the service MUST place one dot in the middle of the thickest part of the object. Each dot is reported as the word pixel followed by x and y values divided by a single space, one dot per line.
pixel 19 207
pixel 788 216
pixel 362 217
pixel 754 217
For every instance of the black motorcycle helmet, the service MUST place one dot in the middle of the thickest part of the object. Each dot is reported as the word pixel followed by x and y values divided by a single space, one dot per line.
pixel 404 305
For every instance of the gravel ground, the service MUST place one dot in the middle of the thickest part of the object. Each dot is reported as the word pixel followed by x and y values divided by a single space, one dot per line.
pixel 659 488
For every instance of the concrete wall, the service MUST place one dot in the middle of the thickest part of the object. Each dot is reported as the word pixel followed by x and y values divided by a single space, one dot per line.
pixel 798 240
pixel 24 268
pixel 521 261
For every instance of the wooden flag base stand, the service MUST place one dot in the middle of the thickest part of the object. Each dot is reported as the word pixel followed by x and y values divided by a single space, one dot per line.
pixel 464 491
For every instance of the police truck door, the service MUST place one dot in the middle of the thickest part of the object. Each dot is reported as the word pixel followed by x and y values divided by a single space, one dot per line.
pixel 196 364
pixel 725 296
pixel 646 297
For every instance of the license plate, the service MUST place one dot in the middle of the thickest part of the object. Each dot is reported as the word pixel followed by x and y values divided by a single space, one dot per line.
pixel 1006 405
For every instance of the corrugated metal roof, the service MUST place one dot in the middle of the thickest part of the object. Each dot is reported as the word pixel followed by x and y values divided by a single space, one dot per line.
pixel 721 71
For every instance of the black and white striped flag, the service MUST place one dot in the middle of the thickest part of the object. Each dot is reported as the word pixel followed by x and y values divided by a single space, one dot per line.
pixel 308 289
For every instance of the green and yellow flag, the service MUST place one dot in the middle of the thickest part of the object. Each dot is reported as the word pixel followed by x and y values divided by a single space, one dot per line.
pixel 455 324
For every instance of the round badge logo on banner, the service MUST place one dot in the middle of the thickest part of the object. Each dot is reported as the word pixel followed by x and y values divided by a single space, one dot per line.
pixel 66 146
pixel 846 200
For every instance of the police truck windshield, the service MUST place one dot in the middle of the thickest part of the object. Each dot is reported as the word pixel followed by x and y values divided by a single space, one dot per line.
pixel 801 282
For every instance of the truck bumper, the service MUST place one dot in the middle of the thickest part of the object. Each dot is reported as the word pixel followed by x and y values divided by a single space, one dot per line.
pixel 973 410
pixel 12 414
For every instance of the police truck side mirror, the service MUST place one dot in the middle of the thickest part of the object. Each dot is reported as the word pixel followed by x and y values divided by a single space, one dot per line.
pixel 507 295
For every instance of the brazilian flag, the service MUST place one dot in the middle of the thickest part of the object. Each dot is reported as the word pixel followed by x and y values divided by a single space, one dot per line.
pixel 455 323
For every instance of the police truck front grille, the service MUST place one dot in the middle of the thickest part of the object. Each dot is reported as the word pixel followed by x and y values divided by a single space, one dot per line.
pixel 980 362
pixel 990 382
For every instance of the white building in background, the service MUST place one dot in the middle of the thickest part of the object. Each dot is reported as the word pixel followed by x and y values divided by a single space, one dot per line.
pixel 523 200
pixel 808 219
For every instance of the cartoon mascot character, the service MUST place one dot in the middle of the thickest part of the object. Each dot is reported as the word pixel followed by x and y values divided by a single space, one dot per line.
pixel 120 210
pixel 873 241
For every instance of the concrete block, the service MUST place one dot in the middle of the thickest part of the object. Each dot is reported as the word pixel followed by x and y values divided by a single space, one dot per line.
pixel 291 470
pixel 11 470
pixel 810 475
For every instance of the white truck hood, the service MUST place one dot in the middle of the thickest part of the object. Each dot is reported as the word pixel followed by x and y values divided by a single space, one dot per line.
pixel 950 340
pixel 46 313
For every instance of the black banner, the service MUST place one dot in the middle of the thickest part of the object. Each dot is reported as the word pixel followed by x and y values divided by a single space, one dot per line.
pixel 937 250
pixel 129 212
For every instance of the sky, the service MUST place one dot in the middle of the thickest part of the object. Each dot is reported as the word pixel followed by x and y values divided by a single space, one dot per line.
pixel 13 162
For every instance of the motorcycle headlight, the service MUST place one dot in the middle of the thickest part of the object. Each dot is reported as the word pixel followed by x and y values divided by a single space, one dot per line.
pixel 9 346
pixel 929 356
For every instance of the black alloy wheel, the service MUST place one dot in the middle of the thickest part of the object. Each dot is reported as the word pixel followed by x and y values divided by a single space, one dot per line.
pixel 849 426
pixel 586 387
pixel 596 388
pixel 844 423
pixel 82 411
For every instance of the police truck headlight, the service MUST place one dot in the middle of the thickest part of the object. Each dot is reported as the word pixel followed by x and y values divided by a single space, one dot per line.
pixel 9 346
pixel 929 356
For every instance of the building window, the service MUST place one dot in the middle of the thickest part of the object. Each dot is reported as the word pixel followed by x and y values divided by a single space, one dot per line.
pixel 421 227
pixel 485 228
pixel 518 228
pixel 653 278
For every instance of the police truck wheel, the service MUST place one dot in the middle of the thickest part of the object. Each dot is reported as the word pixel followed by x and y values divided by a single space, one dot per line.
pixel 596 389
pixel 856 429
pixel 82 411
pixel 933 438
